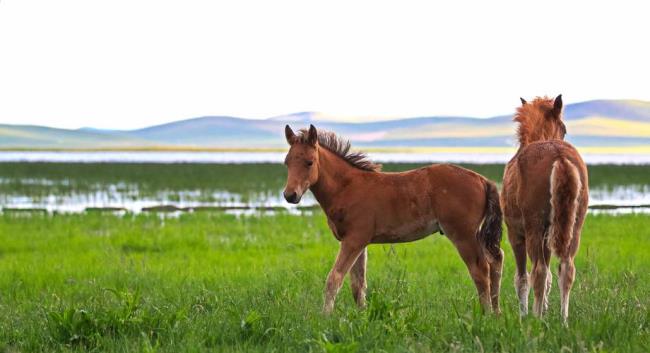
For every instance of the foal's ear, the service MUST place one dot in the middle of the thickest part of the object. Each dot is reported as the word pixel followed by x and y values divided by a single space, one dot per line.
pixel 288 133
pixel 523 101
pixel 557 106
pixel 313 135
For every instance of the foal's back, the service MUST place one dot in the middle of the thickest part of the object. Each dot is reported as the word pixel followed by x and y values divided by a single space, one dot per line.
pixel 444 191
pixel 531 170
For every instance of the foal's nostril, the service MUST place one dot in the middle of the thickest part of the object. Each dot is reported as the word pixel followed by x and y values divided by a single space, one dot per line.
pixel 290 196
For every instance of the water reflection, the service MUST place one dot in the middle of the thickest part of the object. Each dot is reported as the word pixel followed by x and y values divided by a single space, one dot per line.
pixel 124 197
pixel 620 195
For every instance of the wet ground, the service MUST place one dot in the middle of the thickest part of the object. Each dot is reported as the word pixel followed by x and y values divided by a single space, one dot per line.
pixel 128 197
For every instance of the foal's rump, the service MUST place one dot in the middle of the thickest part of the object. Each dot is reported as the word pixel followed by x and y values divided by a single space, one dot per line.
pixel 552 189
pixel 465 197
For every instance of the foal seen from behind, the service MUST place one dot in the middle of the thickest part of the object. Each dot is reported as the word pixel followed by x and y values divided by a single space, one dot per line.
pixel 544 198
pixel 364 206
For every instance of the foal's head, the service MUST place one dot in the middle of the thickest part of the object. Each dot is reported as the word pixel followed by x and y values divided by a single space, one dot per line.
pixel 540 120
pixel 301 161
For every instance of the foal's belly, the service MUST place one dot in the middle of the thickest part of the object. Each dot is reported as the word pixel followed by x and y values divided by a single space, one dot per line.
pixel 406 232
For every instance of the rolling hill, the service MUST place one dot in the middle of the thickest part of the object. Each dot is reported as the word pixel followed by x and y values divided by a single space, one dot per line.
pixel 592 123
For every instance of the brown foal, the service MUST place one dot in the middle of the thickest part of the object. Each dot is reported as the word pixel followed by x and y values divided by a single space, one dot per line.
pixel 364 206
pixel 544 198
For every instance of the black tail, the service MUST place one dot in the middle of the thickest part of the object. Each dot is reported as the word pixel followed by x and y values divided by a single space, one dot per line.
pixel 490 233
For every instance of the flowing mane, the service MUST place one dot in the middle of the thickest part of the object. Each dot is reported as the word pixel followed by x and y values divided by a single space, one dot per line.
pixel 341 147
pixel 539 120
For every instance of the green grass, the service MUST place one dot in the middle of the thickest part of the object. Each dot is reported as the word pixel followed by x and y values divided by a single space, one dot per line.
pixel 148 180
pixel 216 282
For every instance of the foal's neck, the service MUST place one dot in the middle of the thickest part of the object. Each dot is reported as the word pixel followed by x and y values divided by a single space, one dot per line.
pixel 334 175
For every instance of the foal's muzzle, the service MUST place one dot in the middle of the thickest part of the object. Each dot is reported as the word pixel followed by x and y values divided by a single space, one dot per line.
pixel 291 196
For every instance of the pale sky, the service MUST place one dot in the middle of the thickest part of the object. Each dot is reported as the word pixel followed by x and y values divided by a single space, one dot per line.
pixel 128 64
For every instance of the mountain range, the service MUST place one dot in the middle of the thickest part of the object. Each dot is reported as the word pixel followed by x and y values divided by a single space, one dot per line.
pixel 599 123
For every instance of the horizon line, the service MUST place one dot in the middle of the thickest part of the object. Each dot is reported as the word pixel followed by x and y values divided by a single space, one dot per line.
pixel 312 112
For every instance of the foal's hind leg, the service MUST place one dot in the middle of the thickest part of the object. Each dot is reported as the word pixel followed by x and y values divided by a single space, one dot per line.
pixel 567 272
pixel 549 284
pixel 522 285
pixel 518 244
pixel 358 279
pixel 496 267
pixel 540 276
pixel 479 268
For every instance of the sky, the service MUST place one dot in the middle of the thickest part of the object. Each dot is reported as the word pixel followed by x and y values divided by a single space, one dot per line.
pixel 126 64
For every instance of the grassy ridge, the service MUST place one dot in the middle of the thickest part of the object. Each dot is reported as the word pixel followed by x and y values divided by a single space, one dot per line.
pixel 210 281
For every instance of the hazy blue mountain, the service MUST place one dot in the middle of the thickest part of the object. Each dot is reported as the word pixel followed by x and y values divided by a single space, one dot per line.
pixel 592 123
pixel 206 131
pixel 627 109
pixel 30 136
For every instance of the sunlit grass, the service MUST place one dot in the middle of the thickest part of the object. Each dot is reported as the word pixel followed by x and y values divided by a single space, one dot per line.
pixel 216 282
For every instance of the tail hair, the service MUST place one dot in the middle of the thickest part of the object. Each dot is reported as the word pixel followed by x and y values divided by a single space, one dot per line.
pixel 489 235
pixel 565 192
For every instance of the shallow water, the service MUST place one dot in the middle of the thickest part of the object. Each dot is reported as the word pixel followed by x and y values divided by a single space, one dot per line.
pixel 618 195
pixel 278 157
pixel 128 198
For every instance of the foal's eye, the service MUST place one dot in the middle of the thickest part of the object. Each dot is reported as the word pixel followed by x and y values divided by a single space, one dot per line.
pixel 310 163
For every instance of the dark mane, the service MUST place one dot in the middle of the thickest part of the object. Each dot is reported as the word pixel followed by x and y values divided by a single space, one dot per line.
pixel 341 148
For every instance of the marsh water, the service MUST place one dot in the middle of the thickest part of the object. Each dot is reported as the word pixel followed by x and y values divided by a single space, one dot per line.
pixel 135 187
pixel 125 197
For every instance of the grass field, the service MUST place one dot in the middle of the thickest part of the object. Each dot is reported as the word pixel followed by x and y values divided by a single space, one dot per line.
pixel 210 281
pixel 216 282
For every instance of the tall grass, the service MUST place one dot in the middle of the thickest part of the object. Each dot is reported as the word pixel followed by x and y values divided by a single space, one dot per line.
pixel 216 282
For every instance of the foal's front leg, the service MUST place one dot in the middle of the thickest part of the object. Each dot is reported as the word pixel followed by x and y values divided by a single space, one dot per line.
pixel 348 254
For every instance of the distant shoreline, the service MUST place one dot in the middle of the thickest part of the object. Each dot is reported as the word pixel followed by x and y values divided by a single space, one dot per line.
pixel 643 149
pixel 606 155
